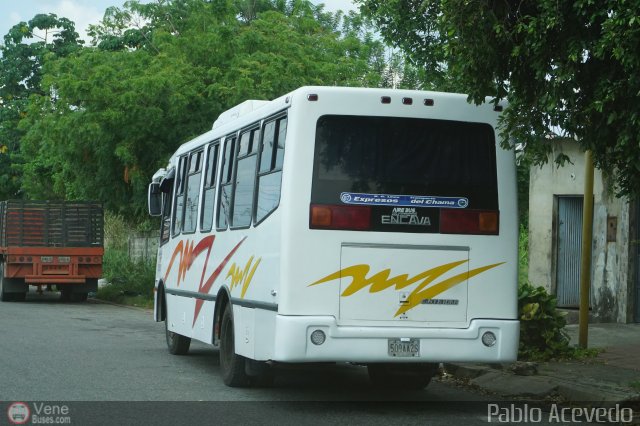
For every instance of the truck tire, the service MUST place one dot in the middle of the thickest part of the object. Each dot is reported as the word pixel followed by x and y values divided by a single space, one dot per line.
pixel 232 365
pixel 65 294
pixel 8 283
pixel 79 297
pixel 4 296
pixel 402 375
pixel 19 297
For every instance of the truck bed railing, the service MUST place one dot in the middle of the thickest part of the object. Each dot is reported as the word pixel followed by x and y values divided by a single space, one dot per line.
pixel 51 224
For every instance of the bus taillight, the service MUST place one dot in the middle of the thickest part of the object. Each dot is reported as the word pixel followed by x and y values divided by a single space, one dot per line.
pixel 357 218
pixel 484 222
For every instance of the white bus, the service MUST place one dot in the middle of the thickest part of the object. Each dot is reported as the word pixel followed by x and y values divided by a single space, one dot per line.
pixel 332 224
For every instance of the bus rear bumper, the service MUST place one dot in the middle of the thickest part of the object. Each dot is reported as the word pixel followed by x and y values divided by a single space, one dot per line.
pixel 371 344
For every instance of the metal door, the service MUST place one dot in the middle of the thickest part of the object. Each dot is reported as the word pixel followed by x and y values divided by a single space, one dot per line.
pixel 569 246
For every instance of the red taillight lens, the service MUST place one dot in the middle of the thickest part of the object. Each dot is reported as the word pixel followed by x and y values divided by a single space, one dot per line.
pixel 357 218
pixel 483 222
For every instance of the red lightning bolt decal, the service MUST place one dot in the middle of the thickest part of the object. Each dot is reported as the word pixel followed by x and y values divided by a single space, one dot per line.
pixel 206 287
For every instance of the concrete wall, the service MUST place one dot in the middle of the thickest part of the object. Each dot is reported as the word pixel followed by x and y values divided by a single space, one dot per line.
pixel 143 248
pixel 611 282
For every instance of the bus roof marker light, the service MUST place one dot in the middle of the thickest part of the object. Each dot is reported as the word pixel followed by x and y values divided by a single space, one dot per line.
pixel 385 99
pixel 407 101
pixel 313 97
pixel 428 102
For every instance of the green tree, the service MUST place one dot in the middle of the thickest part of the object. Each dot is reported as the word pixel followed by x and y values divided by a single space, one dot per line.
pixel 111 120
pixel 161 73
pixel 26 46
pixel 567 66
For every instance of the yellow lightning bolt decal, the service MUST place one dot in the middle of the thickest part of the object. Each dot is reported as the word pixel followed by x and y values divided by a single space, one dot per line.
pixel 242 276
pixel 382 281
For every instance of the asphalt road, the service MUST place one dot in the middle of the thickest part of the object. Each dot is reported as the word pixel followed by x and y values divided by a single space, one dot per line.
pixel 92 356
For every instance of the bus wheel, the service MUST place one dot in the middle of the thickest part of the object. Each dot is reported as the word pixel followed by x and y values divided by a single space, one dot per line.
pixel 232 365
pixel 405 376
pixel 177 343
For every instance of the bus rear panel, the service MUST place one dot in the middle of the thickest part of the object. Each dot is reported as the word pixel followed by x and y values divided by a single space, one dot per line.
pixel 408 248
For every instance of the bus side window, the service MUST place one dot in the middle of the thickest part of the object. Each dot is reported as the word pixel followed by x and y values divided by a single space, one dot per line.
pixel 270 172
pixel 166 217
pixel 192 192
pixel 224 199
pixel 178 211
pixel 245 179
pixel 209 191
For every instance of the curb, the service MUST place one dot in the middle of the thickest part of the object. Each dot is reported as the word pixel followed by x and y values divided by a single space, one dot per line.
pixel 500 379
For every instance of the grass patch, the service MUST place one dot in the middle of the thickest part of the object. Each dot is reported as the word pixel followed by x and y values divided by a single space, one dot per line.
pixel 130 282
pixel 635 385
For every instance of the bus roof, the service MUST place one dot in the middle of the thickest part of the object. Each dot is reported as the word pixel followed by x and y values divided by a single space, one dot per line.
pixel 249 111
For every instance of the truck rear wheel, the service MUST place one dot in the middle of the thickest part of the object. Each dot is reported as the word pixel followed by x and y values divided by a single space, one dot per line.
pixel 405 375
pixel 79 297
pixel 4 296
pixel 65 294
pixel 232 365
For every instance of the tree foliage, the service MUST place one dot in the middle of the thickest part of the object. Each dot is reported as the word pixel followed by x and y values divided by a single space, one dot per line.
pixel 108 116
pixel 20 76
pixel 566 66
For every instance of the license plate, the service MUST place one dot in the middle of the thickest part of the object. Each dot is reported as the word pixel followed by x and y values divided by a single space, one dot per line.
pixel 404 347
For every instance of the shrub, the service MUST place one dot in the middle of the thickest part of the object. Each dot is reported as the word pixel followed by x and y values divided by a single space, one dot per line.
pixel 542 334
pixel 129 281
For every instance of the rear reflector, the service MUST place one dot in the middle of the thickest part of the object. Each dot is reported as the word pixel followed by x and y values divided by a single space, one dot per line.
pixel 357 218
pixel 457 221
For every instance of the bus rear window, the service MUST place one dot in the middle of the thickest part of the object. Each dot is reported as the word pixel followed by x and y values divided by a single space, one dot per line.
pixel 410 168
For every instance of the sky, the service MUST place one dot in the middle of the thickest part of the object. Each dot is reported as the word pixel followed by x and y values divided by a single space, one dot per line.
pixel 85 12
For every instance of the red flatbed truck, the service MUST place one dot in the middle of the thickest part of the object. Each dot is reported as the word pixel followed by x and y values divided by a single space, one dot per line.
pixel 50 243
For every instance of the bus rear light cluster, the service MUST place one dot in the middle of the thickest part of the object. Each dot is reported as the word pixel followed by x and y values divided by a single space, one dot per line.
pixel 357 218
pixel 481 222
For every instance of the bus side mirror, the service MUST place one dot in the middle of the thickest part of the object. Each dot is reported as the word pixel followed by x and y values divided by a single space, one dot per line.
pixel 154 199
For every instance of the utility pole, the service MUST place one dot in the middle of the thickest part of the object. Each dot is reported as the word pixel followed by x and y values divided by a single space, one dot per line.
pixel 585 258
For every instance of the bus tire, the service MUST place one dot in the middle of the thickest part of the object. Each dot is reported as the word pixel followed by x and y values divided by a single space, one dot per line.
pixel 232 365
pixel 176 343
pixel 401 375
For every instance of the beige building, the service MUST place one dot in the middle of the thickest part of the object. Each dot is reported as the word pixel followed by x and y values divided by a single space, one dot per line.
pixel 555 238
